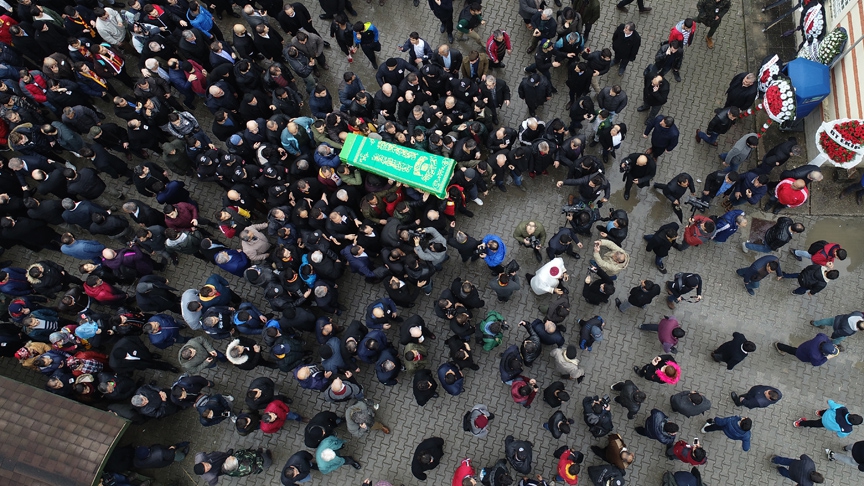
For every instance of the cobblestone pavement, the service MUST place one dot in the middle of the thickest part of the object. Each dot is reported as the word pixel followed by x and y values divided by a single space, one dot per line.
pixel 772 314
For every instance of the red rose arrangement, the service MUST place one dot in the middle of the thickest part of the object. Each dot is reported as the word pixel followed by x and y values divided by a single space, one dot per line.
pixel 853 131
pixel 833 150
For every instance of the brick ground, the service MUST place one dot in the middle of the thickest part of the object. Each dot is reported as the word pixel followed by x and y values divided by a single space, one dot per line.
pixel 726 307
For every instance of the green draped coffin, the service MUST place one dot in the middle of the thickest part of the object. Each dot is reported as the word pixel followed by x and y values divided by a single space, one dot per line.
pixel 420 170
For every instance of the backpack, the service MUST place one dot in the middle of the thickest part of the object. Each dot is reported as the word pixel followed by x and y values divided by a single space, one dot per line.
pixel 466 421
pixel 816 247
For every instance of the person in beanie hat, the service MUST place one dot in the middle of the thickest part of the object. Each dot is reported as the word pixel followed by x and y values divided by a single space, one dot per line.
pixel 835 418
pixel 519 454
pixel 477 420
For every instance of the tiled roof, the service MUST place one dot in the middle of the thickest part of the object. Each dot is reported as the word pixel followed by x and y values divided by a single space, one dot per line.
pixel 46 439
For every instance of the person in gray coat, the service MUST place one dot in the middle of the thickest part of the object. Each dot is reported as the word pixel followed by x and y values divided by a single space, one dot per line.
pixel 360 419
pixel 432 247
pixel 612 99
pixel 689 403
pixel 739 153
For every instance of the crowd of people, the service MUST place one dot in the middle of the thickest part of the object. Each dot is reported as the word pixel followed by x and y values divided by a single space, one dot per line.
pixel 294 217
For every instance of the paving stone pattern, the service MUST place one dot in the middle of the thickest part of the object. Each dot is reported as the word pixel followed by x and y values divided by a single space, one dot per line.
pixel 773 314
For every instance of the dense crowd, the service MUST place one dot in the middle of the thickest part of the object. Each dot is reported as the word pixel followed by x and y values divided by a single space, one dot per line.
pixel 294 216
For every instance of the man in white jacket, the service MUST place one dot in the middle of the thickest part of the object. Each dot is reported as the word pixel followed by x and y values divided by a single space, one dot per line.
pixel 547 278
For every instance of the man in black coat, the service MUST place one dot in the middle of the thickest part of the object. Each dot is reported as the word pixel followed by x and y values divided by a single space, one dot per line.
pixel 597 291
pixel 194 45
pixel 130 354
pixel 424 386
pixel 293 17
pixel 742 91
pixel 641 168
pixel 84 183
pixel 33 234
pixel 689 403
pixel 802 470
pixel 466 293
pixel 625 42
pixel 143 214
pixel 779 155
pixel 562 242
pixel 261 392
pixel 153 294
pixel 49 210
pixel 268 42
pixel 427 456
pixel 777 236
pixel 734 351
pixel 629 397
pixel 719 183
pixel 640 295
pixel 535 90
pixel 322 425
pixel 813 279
pixel 655 94
pixel 723 120
pixel 496 94
pixel 665 136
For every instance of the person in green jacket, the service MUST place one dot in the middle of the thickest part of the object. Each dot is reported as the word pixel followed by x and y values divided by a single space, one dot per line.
pixel 489 331
pixel 415 357
pixel 327 457
pixel 531 234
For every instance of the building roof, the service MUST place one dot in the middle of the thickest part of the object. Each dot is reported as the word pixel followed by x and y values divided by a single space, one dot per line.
pixel 46 439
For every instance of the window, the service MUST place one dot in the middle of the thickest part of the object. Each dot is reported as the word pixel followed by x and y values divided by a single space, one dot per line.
pixel 838 7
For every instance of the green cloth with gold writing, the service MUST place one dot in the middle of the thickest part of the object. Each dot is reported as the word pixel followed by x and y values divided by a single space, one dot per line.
pixel 414 168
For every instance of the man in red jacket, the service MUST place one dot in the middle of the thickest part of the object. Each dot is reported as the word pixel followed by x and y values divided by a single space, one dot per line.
pixel 274 417
pixel 821 253
pixel 464 474
pixel 700 230
pixel 104 293
pixel 789 193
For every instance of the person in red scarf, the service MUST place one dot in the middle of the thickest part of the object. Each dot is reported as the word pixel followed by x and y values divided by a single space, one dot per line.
pixel 92 84
pixel 569 461
pixel 109 64
pixel 76 25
